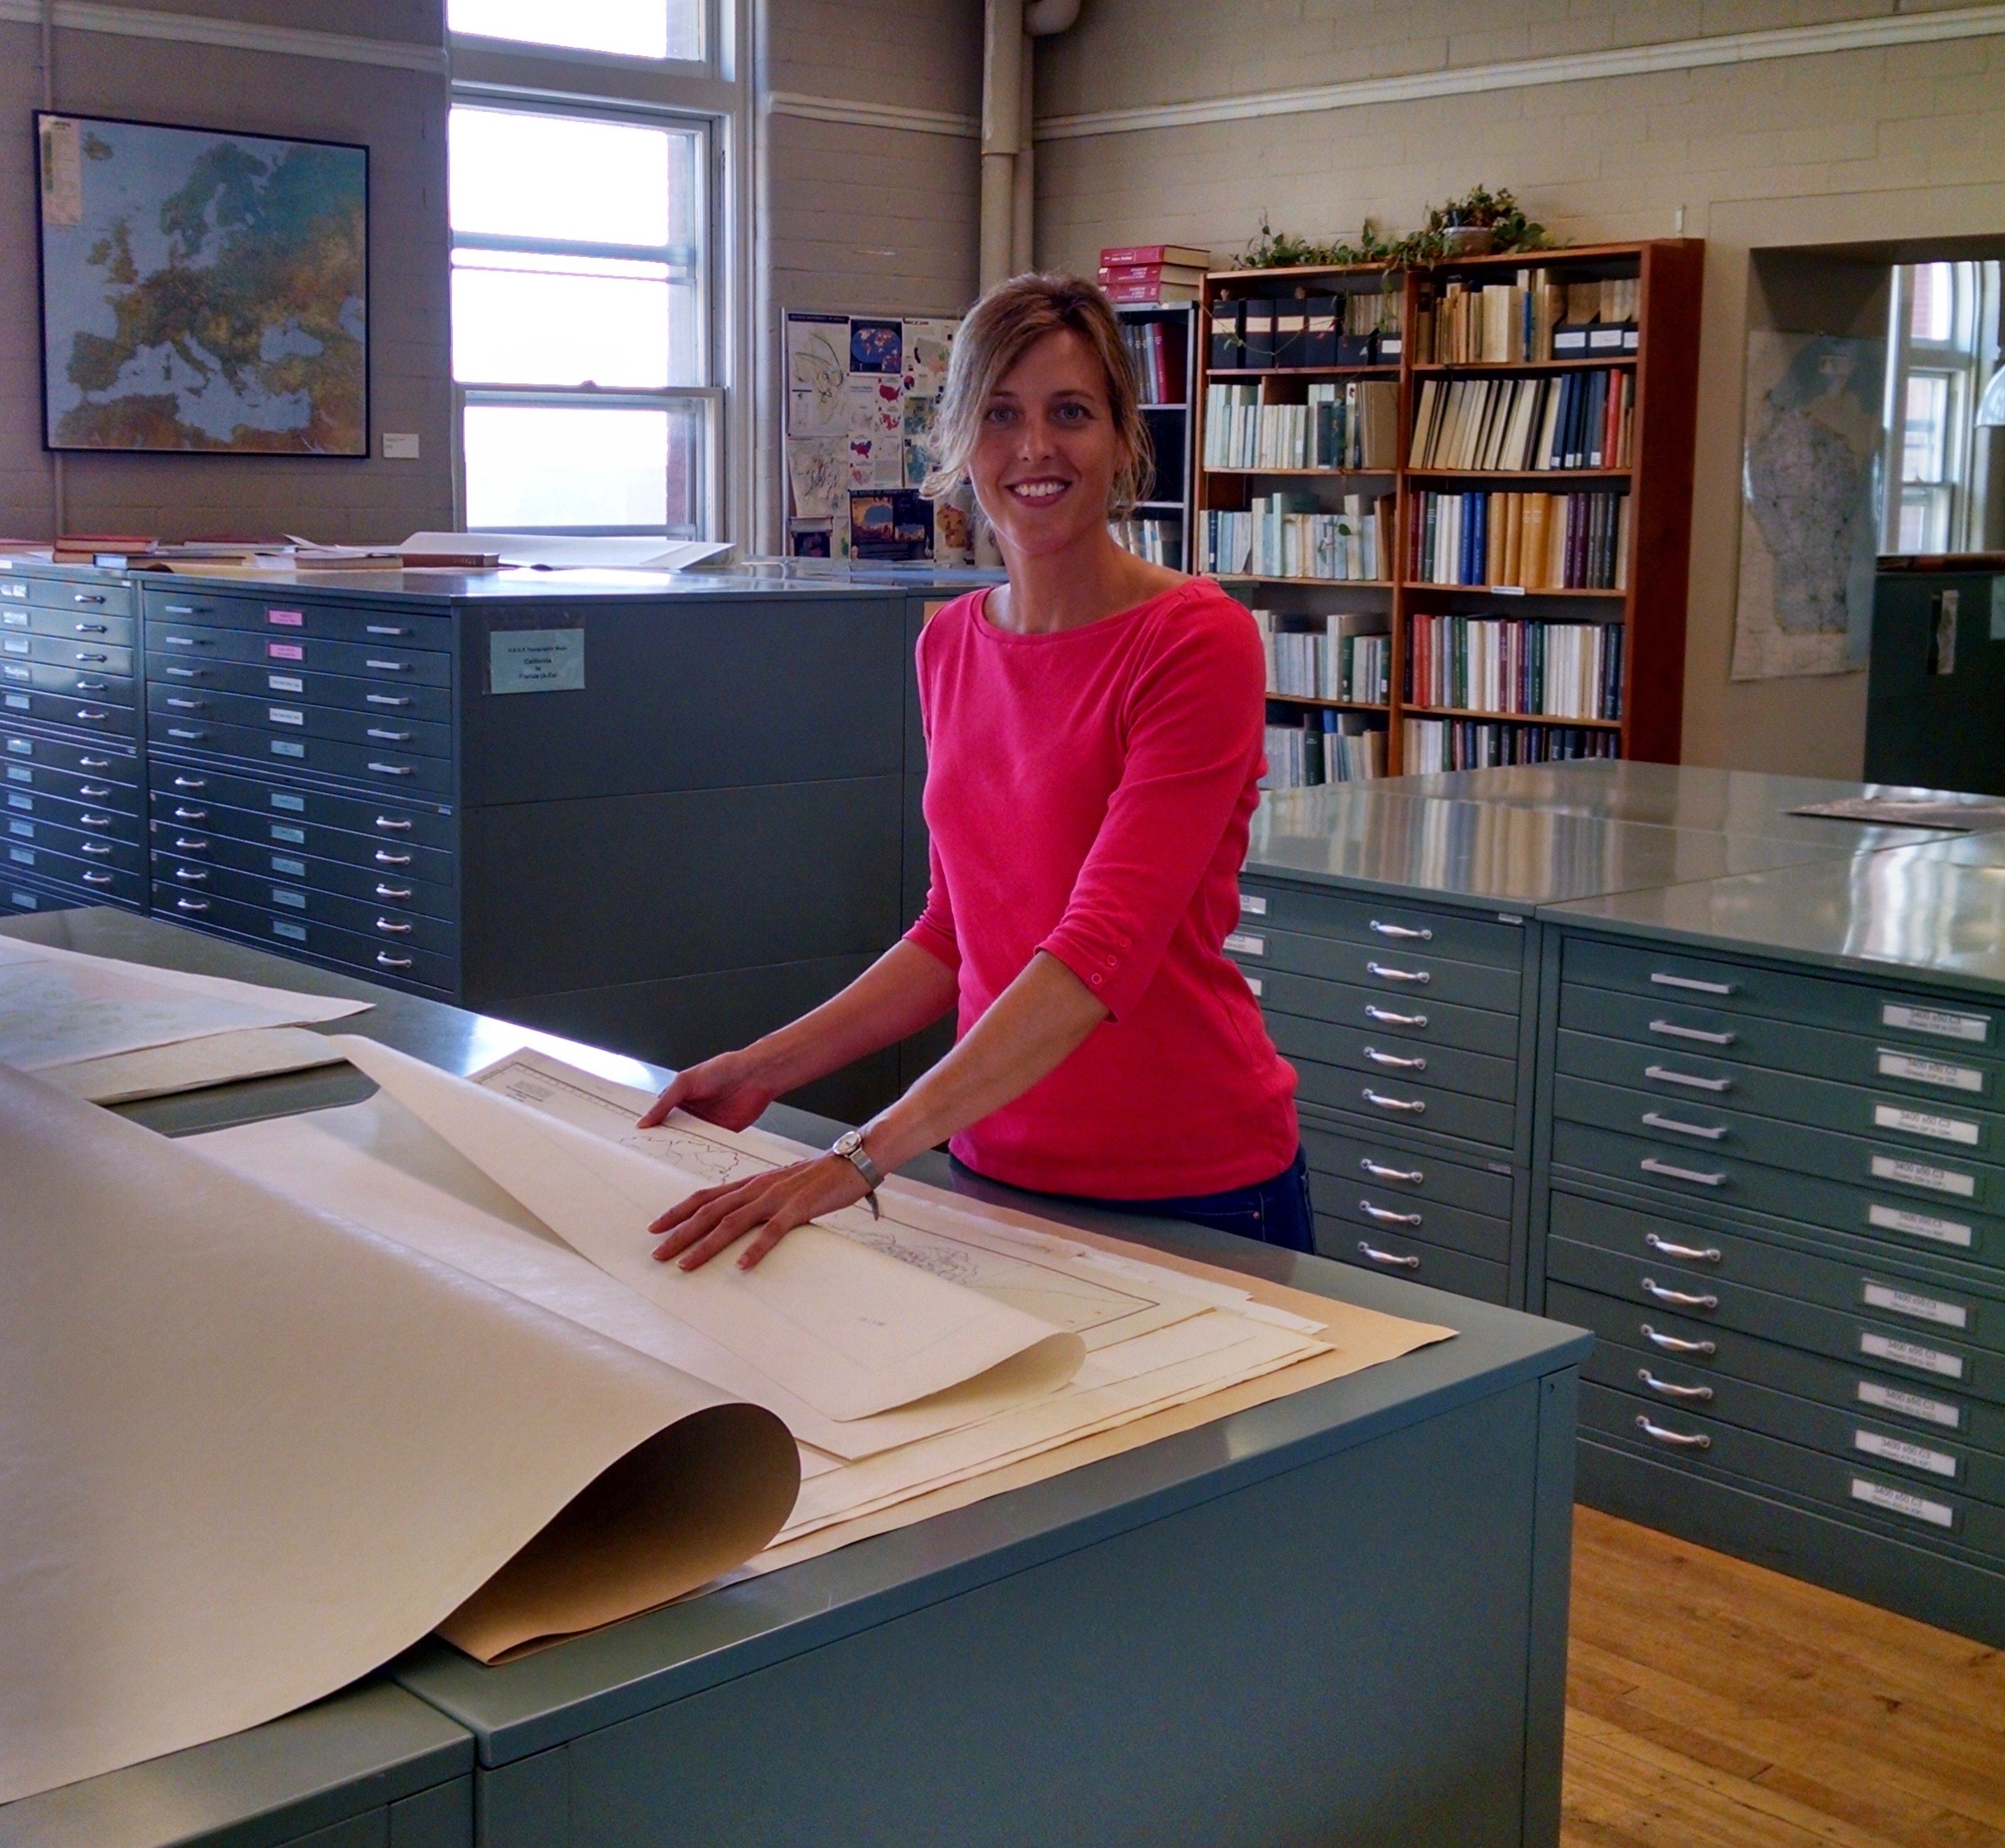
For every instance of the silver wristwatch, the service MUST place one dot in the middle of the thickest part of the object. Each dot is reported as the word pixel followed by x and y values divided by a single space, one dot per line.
pixel 849 1145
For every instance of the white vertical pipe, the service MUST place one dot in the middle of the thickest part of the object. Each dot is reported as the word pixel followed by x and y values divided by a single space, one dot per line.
pixel 1023 187
pixel 1002 128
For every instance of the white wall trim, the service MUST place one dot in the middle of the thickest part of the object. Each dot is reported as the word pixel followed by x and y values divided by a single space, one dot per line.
pixel 870 116
pixel 1679 54
pixel 132 22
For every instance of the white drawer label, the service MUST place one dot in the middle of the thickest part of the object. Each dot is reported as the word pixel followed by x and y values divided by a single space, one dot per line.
pixel 293 869
pixel 1910 1353
pixel 1252 905
pixel 1919 1174
pixel 1253 982
pixel 1939 1021
pixel 1900 1501
pixel 1909 1302
pixel 1899 1450
pixel 1244 943
pixel 285 683
pixel 1919 1225
pixel 1925 1123
pixel 285 715
pixel 1930 1071
pixel 280 896
pixel 294 933
pixel 1911 1404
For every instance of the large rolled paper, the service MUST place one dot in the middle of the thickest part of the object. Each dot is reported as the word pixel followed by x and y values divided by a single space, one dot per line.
pixel 845 1328
pixel 250 1452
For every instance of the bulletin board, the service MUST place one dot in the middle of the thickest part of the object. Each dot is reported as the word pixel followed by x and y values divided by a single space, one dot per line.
pixel 861 392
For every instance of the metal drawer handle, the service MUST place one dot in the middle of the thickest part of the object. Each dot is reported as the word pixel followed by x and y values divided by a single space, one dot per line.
pixel 1402 933
pixel 1390 974
pixel 394 929
pixel 187 706
pixel 387 667
pixel 1665 981
pixel 1651 1166
pixel 94 792
pixel 91 715
pixel 1386 1216
pixel 1378 1257
pixel 97 879
pixel 91 657
pixel 97 849
pixel 191 782
pixel 187 673
pixel 85 685
pixel 385 960
pixel 383 629
pixel 1412 1176
pixel 94 763
pixel 1677 1343
pixel 190 815
pixel 383 737
pixel 395 825
pixel 185 641
pixel 1394 1060
pixel 1664 1075
pixel 392 769
pixel 190 843
pixel 186 903
pixel 387 859
pixel 1386 1017
pixel 1685 1440
pixel 92 628
pixel 1670 1389
pixel 386 699
pixel 89 820
pixel 1682 1299
pixel 89 598
pixel 1689 1254
pixel 183 609
pixel 187 732
pixel 395 893
pixel 1413 1106
pixel 1710 1132
pixel 191 875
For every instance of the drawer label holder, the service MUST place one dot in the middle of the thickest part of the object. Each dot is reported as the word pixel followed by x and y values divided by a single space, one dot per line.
pixel 1942 1022
pixel 1921 1174
pixel 1926 1122
pixel 536 661
pixel 1903 1501
pixel 1920 1225
pixel 1910 1353
pixel 1885 1398
pixel 1901 1450
pixel 1911 1302
pixel 1920 1071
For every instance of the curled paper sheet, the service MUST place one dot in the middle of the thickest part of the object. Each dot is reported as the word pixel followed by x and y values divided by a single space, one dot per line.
pixel 251 1451
pixel 847 1329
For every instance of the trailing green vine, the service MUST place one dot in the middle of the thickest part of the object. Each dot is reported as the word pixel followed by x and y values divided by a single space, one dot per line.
pixel 1498 212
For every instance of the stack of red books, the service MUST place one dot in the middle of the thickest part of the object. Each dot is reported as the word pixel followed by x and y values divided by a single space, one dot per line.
pixel 1153 276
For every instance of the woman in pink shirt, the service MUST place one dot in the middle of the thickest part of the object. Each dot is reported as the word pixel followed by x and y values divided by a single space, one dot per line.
pixel 1093 732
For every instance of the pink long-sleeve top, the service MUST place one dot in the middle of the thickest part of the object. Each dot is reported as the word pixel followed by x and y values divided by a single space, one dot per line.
pixel 1088 793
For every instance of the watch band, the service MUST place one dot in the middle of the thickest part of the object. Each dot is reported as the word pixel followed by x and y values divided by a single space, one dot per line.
pixel 849 1145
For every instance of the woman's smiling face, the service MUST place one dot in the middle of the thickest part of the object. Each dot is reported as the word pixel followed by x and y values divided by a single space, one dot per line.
pixel 1044 462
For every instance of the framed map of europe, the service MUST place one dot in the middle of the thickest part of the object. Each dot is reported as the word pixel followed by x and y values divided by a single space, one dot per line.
pixel 202 291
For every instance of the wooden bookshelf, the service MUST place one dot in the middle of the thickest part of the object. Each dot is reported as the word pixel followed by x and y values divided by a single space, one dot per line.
pixel 1171 427
pixel 1658 479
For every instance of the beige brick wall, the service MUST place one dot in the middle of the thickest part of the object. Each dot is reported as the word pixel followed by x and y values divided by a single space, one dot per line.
pixel 1834 148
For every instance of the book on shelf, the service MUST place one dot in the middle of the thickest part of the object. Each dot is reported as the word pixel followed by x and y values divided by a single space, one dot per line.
pixel 1159 350
pixel 1183 256
pixel 1428 745
pixel 1161 541
pixel 1347 655
pixel 1576 419
pixel 1524 542
pixel 1345 424
pixel 1292 535
pixel 1150 295
pixel 1325 747
pixel 1186 273
pixel 1535 316
pixel 1514 666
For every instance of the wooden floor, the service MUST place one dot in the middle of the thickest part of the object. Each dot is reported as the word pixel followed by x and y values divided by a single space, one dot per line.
pixel 1714 1705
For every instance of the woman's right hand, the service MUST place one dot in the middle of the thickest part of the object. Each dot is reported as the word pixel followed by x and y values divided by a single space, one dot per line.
pixel 731 1090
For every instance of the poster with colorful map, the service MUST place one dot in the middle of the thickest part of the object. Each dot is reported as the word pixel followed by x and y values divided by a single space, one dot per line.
pixel 202 290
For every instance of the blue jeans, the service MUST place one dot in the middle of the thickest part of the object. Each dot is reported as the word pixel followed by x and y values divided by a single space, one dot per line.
pixel 1275 1213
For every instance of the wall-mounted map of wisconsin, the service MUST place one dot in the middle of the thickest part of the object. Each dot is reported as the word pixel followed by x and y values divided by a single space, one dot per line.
pixel 202 291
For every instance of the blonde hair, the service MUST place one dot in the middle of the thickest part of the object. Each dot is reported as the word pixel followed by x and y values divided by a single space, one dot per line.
pixel 1011 319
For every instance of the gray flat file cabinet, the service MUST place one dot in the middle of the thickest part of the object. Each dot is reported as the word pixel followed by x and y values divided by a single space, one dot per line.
pixel 1772 1180
pixel 1392 941
pixel 1337 1619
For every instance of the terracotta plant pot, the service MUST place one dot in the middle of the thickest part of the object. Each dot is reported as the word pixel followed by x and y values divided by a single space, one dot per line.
pixel 1469 240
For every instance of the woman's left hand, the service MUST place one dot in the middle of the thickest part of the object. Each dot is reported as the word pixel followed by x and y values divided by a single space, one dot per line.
pixel 769 1205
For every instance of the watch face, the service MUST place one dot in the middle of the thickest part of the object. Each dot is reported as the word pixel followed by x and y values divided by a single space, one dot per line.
pixel 847 1143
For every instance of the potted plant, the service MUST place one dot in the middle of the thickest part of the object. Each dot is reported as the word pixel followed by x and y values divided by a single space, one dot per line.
pixel 1478 223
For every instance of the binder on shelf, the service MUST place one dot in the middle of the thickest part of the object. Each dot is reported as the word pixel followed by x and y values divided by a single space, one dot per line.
pixel 1257 330
pixel 1319 339
pixel 1290 333
pixel 1226 336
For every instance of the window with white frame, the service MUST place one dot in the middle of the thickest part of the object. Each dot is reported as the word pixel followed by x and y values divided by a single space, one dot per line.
pixel 1941 316
pixel 581 284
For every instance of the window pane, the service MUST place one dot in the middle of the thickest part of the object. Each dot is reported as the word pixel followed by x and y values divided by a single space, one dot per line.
pixel 534 467
pixel 1927 432
pixel 1933 312
pixel 569 320
pixel 633 28
pixel 515 175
